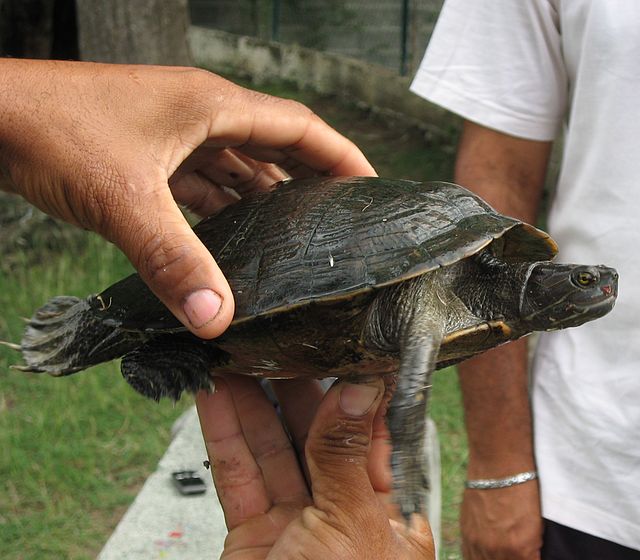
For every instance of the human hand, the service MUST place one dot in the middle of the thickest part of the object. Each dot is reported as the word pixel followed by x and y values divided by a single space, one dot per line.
pixel 502 524
pixel 112 147
pixel 269 510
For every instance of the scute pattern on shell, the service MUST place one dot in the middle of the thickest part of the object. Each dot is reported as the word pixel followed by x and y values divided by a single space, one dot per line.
pixel 314 239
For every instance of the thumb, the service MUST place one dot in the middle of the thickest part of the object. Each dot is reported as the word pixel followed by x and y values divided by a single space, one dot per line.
pixel 338 444
pixel 175 264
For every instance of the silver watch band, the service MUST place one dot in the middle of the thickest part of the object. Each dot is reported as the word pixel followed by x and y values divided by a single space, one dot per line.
pixel 492 483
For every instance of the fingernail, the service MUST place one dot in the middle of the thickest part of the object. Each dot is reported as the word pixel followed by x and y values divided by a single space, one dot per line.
pixel 201 307
pixel 357 399
pixel 275 175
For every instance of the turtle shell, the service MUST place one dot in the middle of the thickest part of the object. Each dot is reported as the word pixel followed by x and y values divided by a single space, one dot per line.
pixel 330 238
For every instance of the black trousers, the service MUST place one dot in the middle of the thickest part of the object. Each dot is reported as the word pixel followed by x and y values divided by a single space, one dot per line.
pixel 564 543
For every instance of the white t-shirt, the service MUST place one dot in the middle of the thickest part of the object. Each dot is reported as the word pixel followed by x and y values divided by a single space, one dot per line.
pixel 528 67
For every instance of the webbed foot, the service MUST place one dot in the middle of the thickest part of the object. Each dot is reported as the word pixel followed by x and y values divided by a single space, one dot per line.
pixel 168 365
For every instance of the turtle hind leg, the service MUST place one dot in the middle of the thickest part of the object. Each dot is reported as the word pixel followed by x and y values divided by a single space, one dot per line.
pixel 168 365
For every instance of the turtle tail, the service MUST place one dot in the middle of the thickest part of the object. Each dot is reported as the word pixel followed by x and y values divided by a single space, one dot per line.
pixel 69 334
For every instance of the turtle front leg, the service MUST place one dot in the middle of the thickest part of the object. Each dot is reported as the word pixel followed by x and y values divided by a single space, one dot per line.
pixel 419 347
pixel 408 319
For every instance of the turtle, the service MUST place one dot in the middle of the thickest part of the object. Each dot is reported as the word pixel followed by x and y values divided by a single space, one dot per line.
pixel 339 277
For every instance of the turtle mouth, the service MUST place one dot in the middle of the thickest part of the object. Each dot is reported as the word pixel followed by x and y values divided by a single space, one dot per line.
pixel 607 290
pixel 587 306
pixel 596 307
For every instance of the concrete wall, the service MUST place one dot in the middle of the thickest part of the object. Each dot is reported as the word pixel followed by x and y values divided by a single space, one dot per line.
pixel 326 73
pixel 369 30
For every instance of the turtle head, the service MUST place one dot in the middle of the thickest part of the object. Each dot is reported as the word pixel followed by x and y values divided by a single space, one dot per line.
pixel 557 296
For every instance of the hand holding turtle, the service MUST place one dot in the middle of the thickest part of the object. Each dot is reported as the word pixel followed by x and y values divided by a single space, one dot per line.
pixel 112 147
pixel 269 510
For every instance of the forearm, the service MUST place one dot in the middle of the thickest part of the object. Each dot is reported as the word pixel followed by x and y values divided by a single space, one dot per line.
pixel 506 171
pixel 34 114
pixel 9 97
pixel 497 412
pixel 24 86
pixel 509 174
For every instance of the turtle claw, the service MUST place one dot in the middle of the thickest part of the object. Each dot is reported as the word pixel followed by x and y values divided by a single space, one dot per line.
pixel 11 345
pixel 412 486
pixel 26 369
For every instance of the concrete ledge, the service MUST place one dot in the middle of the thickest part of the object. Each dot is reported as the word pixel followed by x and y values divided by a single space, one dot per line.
pixel 326 73
pixel 163 524
pixel 434 511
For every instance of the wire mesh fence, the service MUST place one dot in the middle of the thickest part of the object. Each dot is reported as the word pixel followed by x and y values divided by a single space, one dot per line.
pixel 392 33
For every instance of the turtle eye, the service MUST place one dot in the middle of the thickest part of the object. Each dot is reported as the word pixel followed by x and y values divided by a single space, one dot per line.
pixel 583 278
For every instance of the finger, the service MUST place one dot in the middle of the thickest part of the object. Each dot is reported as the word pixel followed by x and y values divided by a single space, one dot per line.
pixel 237 476
pixel 267 175
pixel 299 400
pixel 205 186
pixel 379 466
pixel 293 166
pixel 380 455
pixel 268 442
pixel 338 448
pixel 230 168
pixel 201 196
pixel 259 175
pixel 257 120
pixel 337 156
pixel 153 233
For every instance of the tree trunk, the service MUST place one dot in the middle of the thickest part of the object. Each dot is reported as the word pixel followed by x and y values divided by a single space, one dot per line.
pixel 138 31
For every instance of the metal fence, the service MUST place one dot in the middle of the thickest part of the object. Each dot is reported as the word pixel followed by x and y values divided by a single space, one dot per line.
pixel 392 33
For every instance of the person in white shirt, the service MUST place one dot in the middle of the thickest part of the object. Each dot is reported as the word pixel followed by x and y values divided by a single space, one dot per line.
pixel 521 72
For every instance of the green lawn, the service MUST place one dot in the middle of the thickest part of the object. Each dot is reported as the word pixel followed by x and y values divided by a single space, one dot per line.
pixel 446 410
pixel 74 451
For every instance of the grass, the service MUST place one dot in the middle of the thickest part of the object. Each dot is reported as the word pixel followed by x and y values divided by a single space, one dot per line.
pixel 446 411
pixel 80 447
pixel 75 451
